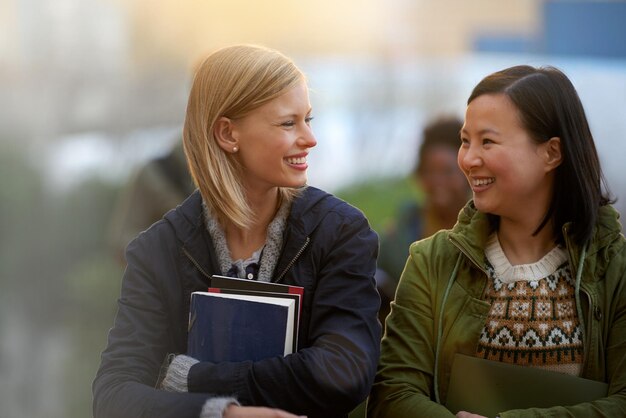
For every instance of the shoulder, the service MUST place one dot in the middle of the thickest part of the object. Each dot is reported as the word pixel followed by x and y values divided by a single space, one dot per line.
pixel 608 245
pixel 315 207
pixel 331 224
pixel 437 245
pixel 312 197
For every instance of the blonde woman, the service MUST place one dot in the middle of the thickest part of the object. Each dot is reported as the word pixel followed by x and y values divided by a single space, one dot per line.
pixel 247 135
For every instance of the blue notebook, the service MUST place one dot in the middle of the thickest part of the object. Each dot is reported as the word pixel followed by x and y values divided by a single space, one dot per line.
pixel 233 327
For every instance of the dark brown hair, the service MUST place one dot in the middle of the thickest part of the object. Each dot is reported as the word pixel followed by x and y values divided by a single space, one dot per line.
pixel 549 106
pixel 441 132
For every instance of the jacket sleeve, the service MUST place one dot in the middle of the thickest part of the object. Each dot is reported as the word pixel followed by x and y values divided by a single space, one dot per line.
pixel 137 345
pixel 403 385
pixel 334 373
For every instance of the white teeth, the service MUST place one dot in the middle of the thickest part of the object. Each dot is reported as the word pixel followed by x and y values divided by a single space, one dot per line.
pixel 301 160
pixel 483 182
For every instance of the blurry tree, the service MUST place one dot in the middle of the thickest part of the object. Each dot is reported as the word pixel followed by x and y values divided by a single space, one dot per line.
pixel 58 287
pixel 91 278
pixel 380 198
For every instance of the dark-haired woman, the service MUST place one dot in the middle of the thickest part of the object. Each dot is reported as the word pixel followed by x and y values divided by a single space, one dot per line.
pixel 531 274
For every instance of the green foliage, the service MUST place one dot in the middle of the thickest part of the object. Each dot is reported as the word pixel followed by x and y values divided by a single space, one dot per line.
pixel 91 280
pixel 380 199
pixel 93 286
pixel 56 278
pixel 21 201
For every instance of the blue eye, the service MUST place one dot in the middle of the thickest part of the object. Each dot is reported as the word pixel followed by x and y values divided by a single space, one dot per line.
pixel 292 123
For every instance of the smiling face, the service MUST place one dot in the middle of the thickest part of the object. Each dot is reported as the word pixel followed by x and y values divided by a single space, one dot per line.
pixel 510 174
pixel 274 141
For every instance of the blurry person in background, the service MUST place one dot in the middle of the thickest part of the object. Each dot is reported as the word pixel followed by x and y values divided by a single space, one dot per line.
pixel 158 186
pixel 533 274
pixel 247 135
pixel 445 192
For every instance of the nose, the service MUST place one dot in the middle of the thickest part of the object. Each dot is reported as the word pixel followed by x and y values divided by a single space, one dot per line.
pixel 469 157
pixel 306 138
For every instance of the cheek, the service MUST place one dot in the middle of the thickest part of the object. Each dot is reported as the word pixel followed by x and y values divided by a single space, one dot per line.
pixel 503 167
pixel 459 159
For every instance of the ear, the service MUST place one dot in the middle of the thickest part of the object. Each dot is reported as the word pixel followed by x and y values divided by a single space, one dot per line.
pixel 224 134
pixel 552 153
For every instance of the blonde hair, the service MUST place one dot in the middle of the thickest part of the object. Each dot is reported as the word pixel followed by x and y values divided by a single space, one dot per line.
pixel 231 82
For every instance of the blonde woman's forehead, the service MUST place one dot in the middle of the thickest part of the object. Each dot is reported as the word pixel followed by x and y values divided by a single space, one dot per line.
pixel 293 102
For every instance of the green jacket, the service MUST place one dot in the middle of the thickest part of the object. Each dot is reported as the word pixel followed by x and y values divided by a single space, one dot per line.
pixel 447 270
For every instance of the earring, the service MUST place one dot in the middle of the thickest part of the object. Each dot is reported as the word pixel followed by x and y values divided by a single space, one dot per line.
pixel 235 149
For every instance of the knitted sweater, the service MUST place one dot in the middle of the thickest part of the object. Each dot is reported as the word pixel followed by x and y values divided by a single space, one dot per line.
pixel 533 319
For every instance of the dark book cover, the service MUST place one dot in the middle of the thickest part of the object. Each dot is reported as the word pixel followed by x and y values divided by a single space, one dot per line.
pixel 292 296
pixel 225 282
pixel 236 327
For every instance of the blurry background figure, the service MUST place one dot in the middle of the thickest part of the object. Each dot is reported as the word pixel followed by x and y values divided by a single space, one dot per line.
pixel 445 191
pixel 155 188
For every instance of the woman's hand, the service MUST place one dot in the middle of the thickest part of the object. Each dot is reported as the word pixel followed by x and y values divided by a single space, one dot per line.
pixel 234 411
pixel 464 414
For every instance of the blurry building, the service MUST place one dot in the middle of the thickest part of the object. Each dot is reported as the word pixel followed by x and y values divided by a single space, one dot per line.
pixel 582 28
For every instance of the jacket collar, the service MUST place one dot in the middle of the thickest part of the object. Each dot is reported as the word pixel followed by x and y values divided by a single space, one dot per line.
pixel 471 232
pixel 307 211
pixel 188 223
pixel 473 228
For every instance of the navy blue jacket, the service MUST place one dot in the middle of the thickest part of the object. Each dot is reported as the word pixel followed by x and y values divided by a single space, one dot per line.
pixel 329 249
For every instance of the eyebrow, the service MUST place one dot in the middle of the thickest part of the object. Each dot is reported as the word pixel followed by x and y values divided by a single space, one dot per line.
pixel 482 131
pixel 295 115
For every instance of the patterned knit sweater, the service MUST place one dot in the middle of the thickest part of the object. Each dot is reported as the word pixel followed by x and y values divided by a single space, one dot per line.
pixel 533 319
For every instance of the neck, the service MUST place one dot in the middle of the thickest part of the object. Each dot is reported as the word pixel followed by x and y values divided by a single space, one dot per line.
pixel 520 245
pixel 243 242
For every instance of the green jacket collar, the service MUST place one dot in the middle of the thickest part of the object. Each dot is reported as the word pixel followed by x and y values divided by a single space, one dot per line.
pixel 473 228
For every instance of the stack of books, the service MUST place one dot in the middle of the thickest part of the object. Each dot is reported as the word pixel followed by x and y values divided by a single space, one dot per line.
pixel 238 320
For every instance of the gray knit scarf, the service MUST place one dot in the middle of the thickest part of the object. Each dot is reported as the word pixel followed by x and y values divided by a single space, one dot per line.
pixel 271 249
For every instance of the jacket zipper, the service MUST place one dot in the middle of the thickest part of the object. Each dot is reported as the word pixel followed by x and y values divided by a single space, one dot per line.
pixel 195 263
pixel 291 263
pixel 466 253
pixel 294 259
pixel 586 323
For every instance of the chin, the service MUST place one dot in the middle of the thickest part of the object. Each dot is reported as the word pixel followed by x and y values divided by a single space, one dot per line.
pixel 296 184
pixel 481 206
